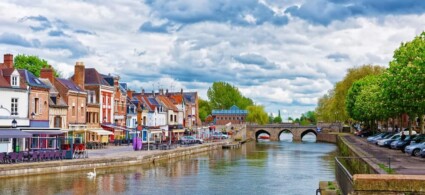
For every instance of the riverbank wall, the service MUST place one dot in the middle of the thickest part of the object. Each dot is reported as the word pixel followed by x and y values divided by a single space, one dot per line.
pixel 327 137
pixel 132 158
pixel 368 178
pixel 354 160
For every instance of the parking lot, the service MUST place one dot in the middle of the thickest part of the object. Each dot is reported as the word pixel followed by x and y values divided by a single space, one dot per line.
pixel 400 162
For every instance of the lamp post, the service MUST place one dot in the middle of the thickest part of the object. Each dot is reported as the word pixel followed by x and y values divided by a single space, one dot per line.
pixel 14 123
pixel 32 115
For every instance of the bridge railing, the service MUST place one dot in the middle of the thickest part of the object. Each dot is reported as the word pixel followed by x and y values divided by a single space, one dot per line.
pixel 283 126
pixel 343 177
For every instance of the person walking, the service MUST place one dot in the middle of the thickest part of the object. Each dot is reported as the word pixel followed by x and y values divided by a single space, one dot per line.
pixel 403 136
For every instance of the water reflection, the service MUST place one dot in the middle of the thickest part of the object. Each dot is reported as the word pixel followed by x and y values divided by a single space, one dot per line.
pixel 255 168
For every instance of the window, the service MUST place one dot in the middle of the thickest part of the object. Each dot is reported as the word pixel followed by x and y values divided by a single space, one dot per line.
pixel 91 97
pixel 58 122
pixel 15 81
pixel 4 140
pixel 14 107
pixel 171 117
pixel 73 110
pixel 175 118
pixel 82 111
pixel 36 105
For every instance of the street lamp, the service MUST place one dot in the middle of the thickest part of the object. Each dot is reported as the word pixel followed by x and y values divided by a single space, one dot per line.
pixel 32 115
pixel 14 123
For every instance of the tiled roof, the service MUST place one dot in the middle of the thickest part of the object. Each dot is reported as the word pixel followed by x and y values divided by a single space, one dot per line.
pixel 109 79
pixel 7 72
pixel 190 97
pixel 167 103
pixel 4 82
pixel 32 80
pixel 93 77
pixel 70 85
pixel 176 98
pixel 52 89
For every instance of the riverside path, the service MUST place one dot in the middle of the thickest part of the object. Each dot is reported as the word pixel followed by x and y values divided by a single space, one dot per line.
pixel 400 162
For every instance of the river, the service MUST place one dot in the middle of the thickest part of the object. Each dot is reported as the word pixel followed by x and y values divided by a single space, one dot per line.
pixel 256 168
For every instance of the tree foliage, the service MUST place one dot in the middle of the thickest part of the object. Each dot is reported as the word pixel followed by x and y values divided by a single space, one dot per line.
pixel 222 95
pixel 32 63
pixel 331 107
pixel 257 114
pixel 204 109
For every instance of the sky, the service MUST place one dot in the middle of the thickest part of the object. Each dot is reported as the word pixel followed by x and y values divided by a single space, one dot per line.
pixel 283 54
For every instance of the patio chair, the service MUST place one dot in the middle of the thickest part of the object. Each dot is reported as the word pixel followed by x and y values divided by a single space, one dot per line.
pixel 20 157
pixel 13 157
pixel 2 158
pixel 57 155
pixel 52 155
pixel 33 156
pixel 63 155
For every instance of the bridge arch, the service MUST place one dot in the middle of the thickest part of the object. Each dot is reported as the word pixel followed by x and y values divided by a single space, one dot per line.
pixel 261 131
pixel 285 131
pixel 305 132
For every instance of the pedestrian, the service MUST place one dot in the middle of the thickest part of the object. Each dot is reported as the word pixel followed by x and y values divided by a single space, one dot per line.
pixel 403 136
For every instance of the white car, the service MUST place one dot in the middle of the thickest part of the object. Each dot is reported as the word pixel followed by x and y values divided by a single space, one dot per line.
pixel 384 142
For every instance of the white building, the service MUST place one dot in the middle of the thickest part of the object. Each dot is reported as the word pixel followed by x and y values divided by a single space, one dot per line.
pixel 13 108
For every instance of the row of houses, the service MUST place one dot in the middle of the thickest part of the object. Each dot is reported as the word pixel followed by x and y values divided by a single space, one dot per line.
pixel 87 107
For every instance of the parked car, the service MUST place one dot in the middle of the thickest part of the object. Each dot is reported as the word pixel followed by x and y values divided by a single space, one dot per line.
pixel 423 153
pixel 364 133
pixel 387 142
pixel 401 144
pixel 190 140
pixel 414 149
pixel 377 136
pixel 219 135
pixel 419 138
pixel 375 141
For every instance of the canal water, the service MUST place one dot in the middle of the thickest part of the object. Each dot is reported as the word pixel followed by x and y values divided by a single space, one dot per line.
pixel 256 168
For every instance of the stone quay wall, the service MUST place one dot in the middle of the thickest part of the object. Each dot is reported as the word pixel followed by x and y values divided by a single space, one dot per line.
pixel 134 158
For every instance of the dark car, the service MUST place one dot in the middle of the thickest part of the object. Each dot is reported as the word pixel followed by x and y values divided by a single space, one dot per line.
pixel 364 133
pixel 401 144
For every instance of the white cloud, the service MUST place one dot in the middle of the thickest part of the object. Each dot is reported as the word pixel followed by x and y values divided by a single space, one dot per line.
pixel 280 66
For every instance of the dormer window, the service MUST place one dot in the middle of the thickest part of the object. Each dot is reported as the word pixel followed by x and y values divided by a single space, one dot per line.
pixel 15 82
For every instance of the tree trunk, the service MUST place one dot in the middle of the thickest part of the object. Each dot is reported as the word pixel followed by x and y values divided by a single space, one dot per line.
pixel 421 123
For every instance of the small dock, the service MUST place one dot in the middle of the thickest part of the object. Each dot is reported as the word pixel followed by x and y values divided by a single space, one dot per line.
pixel 231 145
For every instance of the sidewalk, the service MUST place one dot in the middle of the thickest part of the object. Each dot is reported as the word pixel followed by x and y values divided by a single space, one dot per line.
pixel 400 162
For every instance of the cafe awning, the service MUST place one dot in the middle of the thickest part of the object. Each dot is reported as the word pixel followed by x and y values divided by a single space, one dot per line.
pixel 13 133
pixel 177 130
pixel 101 132
pixel 46 131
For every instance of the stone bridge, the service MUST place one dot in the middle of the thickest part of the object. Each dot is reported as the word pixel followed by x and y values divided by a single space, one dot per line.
pixel 274 131
pixel 298 131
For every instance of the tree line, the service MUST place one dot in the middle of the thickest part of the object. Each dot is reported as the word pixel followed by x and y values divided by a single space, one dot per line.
pixel 371 93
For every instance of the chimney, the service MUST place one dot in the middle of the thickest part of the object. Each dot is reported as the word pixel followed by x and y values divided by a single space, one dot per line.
pixel 153 93
pixel 181 91
pixel 8 60
pixel 130 94
pixel 166 91
pixel 143 91
pixel 47 73
pixel 79 74
pixel 116 80
pixel 161 91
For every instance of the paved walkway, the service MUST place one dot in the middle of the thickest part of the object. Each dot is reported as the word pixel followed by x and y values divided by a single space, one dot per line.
pixel 400 162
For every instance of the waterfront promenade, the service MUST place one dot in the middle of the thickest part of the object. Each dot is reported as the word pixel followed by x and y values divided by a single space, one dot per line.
pixel 112 156
pixel 400 162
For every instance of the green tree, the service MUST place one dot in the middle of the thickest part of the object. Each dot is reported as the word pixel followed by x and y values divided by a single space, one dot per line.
pixel 32 63
pixel 406 80
pixel 331 107
pixel 204 109
pixel 278 119
pixel 257 114
pixel 271 118
pixel 222 95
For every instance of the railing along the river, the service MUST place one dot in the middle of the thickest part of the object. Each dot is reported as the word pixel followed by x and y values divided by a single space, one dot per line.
pixel 343 177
